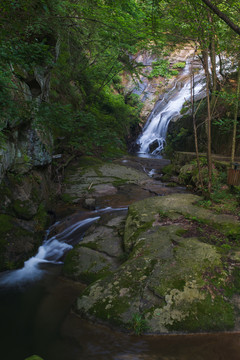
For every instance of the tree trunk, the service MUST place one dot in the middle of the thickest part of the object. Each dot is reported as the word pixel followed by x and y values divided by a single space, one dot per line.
pixel 195 127
pixel 208 124
pixel 213 66
pixel 235 117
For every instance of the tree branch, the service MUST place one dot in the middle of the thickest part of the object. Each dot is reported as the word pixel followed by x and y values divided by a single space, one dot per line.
pixel 222 16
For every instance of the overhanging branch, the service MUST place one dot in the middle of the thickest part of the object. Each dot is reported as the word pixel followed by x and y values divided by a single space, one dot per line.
pixel 222 16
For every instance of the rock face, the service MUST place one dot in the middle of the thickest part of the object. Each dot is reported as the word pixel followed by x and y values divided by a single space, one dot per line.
pixel 23 216
pixel 27 150
pixel 24 189
pixel 170 271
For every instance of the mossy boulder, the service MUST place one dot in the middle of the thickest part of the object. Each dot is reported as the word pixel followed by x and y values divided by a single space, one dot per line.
pixel 34 357
pixel 98 253
pixel 173 282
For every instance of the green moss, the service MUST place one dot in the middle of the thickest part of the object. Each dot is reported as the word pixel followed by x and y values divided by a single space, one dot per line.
pixel 67 198
pixel 119 182
pixel 166 178
pixel 89 277
pixel 23 209
pixel 86 161
pixel 34 357
pixel 181 232
pixel 5 224
pixel 171 184
pixel 41 218
pixel 5 190
pixel 111 310
pixel 16 179
pixel 236 280
pixel 138 230
pixel 207 315
pixel 91 245
pixel 70 263
pixel 35 194
pixel 70 268
pixel 123 257
pixel 168 169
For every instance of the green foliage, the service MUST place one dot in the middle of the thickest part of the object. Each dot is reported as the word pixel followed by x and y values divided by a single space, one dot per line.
pixel 179 65
pixel 34 357
pixel 174 72
pixel 160 68
pixel 92 53
pixel 174 140
pixel 138 324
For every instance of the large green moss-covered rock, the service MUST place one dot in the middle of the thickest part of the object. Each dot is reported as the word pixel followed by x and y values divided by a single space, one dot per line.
pixel 171 281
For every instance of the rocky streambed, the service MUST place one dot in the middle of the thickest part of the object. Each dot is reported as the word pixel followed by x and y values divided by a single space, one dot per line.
pixel 165 266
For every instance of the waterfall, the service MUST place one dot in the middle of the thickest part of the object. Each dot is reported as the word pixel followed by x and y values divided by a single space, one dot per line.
pixel 153 137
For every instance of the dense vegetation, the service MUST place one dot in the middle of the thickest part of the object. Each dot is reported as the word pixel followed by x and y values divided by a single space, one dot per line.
pixel 81 47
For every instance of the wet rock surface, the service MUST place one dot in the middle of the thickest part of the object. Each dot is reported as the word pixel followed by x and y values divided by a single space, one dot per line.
pixel 118 183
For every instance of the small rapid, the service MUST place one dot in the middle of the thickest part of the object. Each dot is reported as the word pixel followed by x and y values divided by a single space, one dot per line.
pixel 52 250
pixel 153 137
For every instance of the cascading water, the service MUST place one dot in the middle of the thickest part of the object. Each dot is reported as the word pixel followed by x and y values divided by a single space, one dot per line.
pixel 50 252
pixel 153 137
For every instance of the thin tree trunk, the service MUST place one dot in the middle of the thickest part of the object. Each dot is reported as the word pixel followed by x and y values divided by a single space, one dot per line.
pixel 214 69
pixel 208 124
pixel 235 117
pixel 221 66
pixel 195 127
